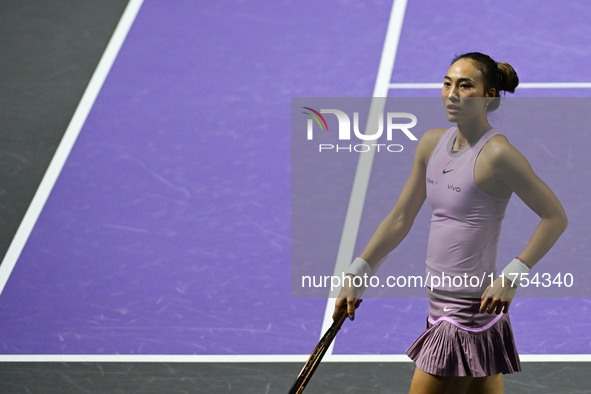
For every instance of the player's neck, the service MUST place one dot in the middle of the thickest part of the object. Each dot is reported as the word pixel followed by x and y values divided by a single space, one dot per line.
pixel 468 132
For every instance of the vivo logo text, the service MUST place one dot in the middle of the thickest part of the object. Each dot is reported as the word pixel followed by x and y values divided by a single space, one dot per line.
pixel 454 188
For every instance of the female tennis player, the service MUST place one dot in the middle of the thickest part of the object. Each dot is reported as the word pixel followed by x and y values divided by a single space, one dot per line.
pixel 467 173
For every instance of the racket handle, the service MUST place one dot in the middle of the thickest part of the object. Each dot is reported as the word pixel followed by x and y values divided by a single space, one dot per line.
pixel 314 360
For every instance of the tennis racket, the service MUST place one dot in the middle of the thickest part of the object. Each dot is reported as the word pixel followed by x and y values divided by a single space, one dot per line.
pixel 314 360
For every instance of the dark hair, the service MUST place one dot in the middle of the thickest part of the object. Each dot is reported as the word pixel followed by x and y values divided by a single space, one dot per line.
pixel 500 76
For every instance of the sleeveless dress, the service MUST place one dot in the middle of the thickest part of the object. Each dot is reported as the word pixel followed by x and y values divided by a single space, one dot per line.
pixel 461 255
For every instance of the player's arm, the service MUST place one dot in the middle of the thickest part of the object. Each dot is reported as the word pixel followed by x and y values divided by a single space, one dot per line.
pixel 514 172
pixel 517 174
pixel 394 228
pixel 398 222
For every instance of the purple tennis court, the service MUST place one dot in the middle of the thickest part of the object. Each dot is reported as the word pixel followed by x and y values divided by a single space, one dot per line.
pixel 168 230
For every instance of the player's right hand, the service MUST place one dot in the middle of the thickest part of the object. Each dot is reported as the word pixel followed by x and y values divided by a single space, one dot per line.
pixel 347 299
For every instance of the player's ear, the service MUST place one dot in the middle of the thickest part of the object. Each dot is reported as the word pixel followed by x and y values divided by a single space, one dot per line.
pixel 492 93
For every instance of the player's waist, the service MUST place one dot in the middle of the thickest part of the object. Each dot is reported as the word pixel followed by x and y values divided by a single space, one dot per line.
pixel 462 309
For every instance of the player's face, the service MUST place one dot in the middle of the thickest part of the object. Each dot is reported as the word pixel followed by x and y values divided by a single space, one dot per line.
pixel 463 92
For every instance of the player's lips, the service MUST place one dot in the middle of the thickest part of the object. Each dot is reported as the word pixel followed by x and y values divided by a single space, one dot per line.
pixel 452 108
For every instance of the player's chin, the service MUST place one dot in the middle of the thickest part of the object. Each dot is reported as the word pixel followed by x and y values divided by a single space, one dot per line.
pixel 452 118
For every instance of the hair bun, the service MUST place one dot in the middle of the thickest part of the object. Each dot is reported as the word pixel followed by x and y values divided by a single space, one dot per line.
pixel 508 79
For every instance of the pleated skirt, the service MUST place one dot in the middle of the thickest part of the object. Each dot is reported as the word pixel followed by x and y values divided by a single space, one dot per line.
pixel 445 349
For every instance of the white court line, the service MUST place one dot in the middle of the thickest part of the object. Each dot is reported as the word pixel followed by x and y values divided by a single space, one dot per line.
pixel 68 140
pixel 255 358
pixel 362 174
pixel 526 85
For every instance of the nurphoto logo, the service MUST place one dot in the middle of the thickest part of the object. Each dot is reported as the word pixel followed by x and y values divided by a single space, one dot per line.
pixel 344 132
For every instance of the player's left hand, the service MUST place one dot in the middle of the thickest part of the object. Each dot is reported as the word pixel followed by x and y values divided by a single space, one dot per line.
pixel 498 296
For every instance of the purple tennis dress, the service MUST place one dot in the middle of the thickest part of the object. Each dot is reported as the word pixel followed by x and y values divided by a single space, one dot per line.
pixel 461 253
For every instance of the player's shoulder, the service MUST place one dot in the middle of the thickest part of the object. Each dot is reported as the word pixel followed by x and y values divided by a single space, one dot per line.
pixel 498 150
pixel 427 143
pixel 432 137
pixel 434 134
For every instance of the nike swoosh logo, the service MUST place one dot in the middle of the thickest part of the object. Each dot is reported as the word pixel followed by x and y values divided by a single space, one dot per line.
pixel 445 309
pixel 445 172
